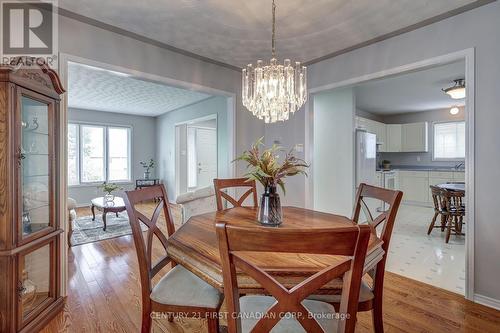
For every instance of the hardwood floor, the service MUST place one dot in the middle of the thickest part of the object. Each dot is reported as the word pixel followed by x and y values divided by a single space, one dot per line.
pixel 104 296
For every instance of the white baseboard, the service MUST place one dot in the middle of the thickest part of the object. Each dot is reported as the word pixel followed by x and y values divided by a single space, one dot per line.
pixel 487 301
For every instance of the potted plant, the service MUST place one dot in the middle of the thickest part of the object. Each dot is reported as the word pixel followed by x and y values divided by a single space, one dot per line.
pixel 266 168
pixel 386 165
pixel 147 168
pixel 109 188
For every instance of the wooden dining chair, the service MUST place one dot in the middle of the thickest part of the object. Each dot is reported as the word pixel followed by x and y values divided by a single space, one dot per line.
pixel 371 297
pixel 450 205
pixel 238 244
pixel 179 291
pixel 221 185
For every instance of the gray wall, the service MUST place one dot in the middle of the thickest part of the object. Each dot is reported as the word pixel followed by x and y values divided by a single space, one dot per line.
pixel 368 115
pixel 473 29
pixel 165 127
pixel 143 145
pixel 411 159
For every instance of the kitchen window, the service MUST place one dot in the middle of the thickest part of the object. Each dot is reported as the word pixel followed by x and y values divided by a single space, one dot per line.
pixel 449 141
pixel 98 154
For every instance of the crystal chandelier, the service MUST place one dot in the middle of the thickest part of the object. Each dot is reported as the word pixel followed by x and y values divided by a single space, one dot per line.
pixel 271 92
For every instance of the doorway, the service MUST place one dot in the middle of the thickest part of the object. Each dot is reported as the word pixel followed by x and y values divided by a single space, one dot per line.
pixel 196 153
pixel 417 189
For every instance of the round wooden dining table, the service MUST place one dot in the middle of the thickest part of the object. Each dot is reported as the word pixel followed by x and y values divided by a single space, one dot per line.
pixel 195 246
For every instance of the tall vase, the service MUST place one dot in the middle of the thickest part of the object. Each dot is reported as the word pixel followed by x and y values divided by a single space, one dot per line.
pixel 270 207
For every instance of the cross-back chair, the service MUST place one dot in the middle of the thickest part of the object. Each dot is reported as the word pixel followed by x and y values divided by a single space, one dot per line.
pixel 371 297
pixel 179 290
pixel 222 184
pixel 450 205
pixel 350 243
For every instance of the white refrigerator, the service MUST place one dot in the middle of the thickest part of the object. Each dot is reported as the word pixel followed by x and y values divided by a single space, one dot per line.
pixel 366 158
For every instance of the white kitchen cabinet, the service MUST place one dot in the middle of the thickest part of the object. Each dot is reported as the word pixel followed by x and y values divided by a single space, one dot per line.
pixel 375 127
pixel 393 138
pixel 414 137
pixel 415 186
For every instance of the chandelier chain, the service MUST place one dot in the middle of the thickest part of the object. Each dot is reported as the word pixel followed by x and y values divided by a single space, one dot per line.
pixel 273 42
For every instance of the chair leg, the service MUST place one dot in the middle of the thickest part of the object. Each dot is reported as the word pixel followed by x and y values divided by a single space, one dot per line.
pixel 146 322
pixel 443 222
pixel 448 231
pixel 378 318
pixel 213 324
pixel 432 223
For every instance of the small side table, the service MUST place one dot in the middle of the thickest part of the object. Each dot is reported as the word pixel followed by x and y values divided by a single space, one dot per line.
pixel 141 183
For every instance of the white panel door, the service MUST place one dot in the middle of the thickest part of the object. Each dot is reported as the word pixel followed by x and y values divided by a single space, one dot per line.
pixel 414 137
pixel 206 156
pixel 415 187
pixel 393 138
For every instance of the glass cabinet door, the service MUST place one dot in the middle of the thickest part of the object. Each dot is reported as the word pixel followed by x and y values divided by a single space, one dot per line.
pixel 35 161
pixel 36 276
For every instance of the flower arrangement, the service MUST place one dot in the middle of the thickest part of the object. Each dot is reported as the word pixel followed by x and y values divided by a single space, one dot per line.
pixel 265 166
pixel 109 188
pixel 148 165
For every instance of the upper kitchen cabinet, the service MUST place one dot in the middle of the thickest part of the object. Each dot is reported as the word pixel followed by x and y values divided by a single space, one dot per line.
pixel 414 137
pixel 393 138
pixel 375 127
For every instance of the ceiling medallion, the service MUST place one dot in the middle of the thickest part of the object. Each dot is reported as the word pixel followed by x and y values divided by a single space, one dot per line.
pixel 271 92
pixel 457 91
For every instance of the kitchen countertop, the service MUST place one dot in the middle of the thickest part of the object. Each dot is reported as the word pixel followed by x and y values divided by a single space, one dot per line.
pixel 423 168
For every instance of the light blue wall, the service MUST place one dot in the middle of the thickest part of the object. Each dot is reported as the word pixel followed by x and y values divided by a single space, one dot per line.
pixel 143 145
pixel 165 128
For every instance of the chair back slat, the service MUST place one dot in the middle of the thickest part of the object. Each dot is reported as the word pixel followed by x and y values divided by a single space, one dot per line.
pixel 221 185
pixel 446 201
pixel 390 197
pixel 144 245
pixel 350 243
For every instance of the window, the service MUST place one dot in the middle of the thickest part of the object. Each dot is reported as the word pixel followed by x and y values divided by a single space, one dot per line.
pixel 98 153
pixel 73 156
pixel 449 140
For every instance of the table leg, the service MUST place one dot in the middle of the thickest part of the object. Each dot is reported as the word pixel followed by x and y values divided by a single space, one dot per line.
pixel 93 212
pixel 104 220
pixel 116 214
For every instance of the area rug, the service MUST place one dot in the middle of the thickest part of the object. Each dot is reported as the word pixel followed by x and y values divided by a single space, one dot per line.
pixel 87 231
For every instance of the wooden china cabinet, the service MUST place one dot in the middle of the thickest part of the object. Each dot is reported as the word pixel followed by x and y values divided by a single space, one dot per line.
pixel 29 200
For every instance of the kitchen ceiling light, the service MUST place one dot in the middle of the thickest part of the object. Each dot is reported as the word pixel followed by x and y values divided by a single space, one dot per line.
pixel 271 92
pixel 457 91
pixel 454 110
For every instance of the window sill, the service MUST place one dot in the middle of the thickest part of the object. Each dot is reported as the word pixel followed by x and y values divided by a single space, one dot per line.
pixel 128 182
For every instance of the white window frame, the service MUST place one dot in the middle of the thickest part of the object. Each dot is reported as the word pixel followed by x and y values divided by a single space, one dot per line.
pixel 451 159
pixel 106 127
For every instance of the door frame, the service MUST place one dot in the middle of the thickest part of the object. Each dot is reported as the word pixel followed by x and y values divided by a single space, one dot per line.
pixel 64 59
pixel 177 151
pixel 469 56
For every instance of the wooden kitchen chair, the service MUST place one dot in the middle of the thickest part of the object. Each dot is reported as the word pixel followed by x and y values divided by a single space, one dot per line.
pixel 450 205
pixel 222 184
pixel 179 291
pixel 257 314
pixel 370 298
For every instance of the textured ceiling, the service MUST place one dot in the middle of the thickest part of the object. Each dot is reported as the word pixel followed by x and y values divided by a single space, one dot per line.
pixel 96 89
pixel 418 91
pixel 239 32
